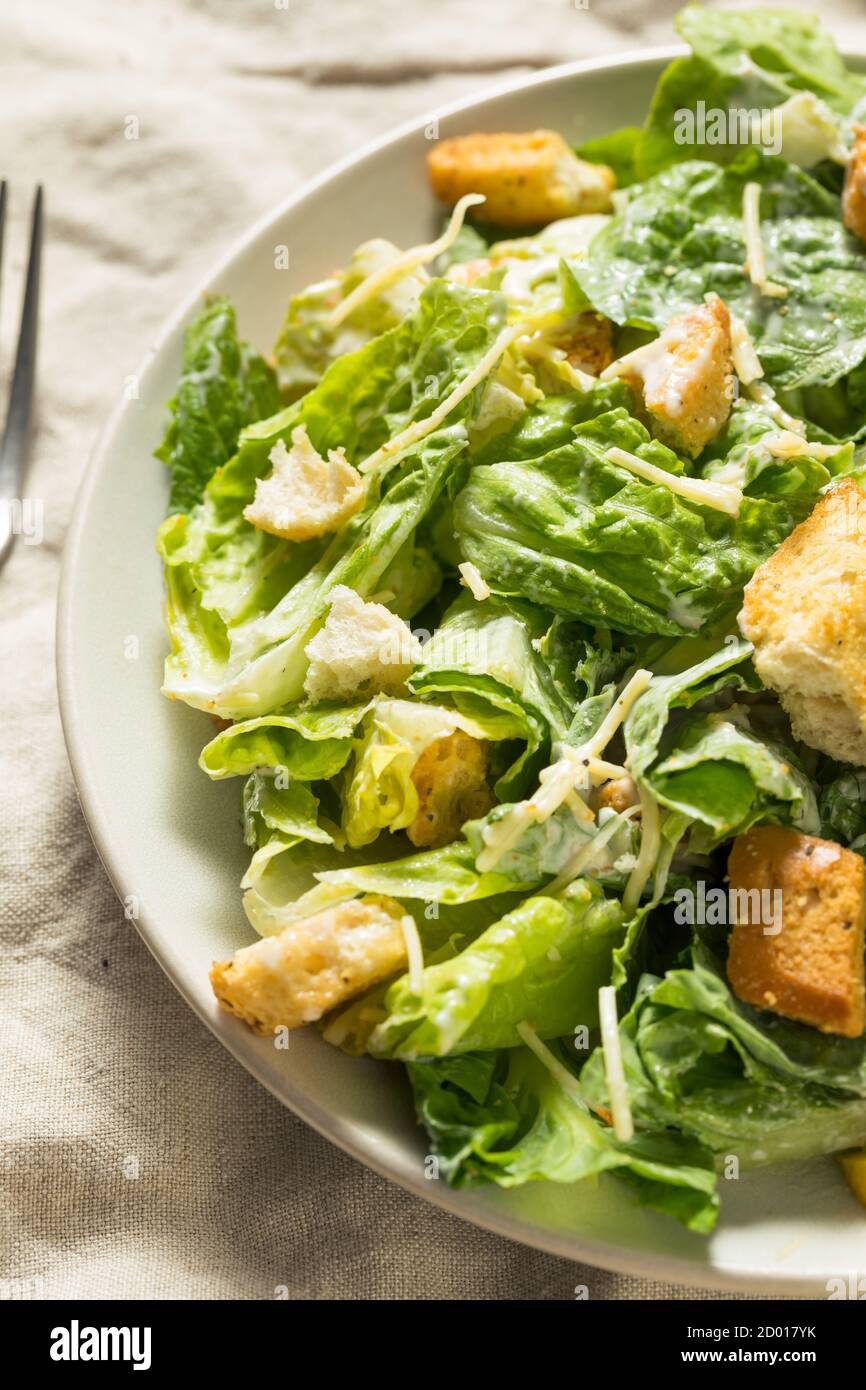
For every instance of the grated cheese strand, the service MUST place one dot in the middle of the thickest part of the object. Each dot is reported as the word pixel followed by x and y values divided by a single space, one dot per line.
pixel 408 261
pixel 764 395
pixel 720 497
pixel 618 711
pixel 414 953
pixel 419 429
pixel 756 267
pixel 786 444
pixel 623 1124
pixel 650 844
pixel 477 586
pixel 587 853
pixel 568 1083
pixel 747 363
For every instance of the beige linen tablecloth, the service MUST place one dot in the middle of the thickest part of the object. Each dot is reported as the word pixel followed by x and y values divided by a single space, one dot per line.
pixel 138 1159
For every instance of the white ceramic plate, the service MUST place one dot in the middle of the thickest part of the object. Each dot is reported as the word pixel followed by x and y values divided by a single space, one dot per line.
pixel 170 837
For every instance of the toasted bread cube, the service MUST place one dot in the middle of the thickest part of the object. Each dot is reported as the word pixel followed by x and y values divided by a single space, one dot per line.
pixel 854 192
pixel 619 794
pixel 288 980
pixel 362 649
pixel 805 611
pixel 450 778
pixel 854 1167
pixel 588 343
pixel 807 962
pixel 305 495
pixel 528 179
pixel 686 377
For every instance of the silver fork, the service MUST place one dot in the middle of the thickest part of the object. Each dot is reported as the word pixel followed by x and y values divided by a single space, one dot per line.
pixel 16 434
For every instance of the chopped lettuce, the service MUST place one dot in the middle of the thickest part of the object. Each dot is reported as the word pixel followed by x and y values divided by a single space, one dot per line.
pixel 380 793
pixel 543 964
pixel 224 386
pixel 578 535
pixel 502 1117
pixel 681 235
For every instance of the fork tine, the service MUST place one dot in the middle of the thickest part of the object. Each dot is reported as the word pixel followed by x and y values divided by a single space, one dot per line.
pixel 13 449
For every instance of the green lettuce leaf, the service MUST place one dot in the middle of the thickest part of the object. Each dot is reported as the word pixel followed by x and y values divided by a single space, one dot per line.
pixel 485 657
pixel 542 964
pixel 726 666
pixel 380 794
pixel 307 744
pixel 583 537
pixel 697 1059
pixel 224 385
pixel 681 235
pixel 502 1117
pixel 717 771
pixel 277 816
pixel 307 344
pixel 842 806
pixel 242 605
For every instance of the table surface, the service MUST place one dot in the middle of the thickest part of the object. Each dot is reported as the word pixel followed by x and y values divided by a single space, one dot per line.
pixel 139 1159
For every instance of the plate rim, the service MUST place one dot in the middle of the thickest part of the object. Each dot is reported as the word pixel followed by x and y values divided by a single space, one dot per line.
pixel 464 1204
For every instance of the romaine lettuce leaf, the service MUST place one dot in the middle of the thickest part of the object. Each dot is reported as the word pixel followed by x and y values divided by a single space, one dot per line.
pixel 277 816
pixel 727 666
pixel 242 605
pixel 502 1117
pixel 717 771
pixel 578 535
pixel 842 808
pixel 307 344
pixel 543 964
pixel 485 657
pixel 224 385
pixel 379 792
pixel 743 1084
pixel 307 744
pixel 681 235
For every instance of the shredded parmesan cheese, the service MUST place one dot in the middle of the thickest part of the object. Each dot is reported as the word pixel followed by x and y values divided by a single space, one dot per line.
pixel 756 267
pixel 650 844
pixel 557 783
pixel 618 711
pixel 764 395
pixel 623 1124
pixel 414 953
pixel 404 265
pixel 568 1083
pixel 786 445
pixel 585 855
pixel 473 581
pixel 707 494
pixel 419 429
pixel 747 363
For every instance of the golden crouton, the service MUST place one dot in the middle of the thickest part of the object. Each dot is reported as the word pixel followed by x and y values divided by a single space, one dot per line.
pixel 587 343
pixel 797 946
pixel 527 179
pixel 854 1167
pixel 854 192
pixel 362 648
pixel 686 377
pixel 619 794
pixel 288 980
pixel 805 611
pixel 450 778
pixel 305 495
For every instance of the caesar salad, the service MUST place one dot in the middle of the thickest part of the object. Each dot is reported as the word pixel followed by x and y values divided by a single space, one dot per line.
pixel 525 584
